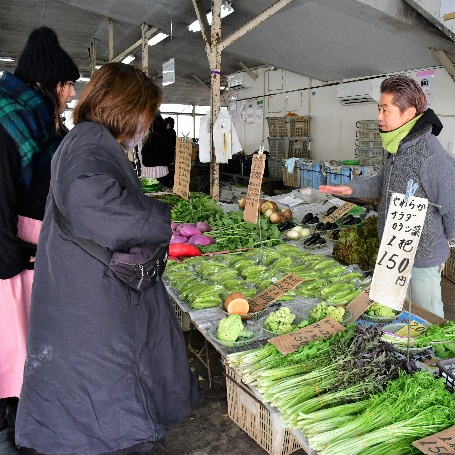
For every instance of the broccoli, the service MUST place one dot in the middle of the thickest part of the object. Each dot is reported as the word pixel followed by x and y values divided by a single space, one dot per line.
pixel 231 329
pixel 280 321
pixel 376 309
pixel 358 244
pixel 322 310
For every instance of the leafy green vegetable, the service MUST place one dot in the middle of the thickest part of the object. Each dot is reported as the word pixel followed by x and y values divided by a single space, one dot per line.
pixel 231 329
pixel 376 309
pixel 280 321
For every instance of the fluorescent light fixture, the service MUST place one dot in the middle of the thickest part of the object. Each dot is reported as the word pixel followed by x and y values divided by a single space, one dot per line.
pixel 6 59
pixel 83 79
pixel 157 38
pixel 98 67
pixel 128 59
pixel 225 11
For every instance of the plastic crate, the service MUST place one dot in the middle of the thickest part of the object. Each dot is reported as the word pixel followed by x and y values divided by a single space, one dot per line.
pixel 368 142
pixel 369 152
pixel 259 422
pixel 298 148
pixel 363 171
pixel 311 174
pixel 292 178
pixel 278 147
pixel 367 124
pixel 446 371
pixel 449 269
pixel 337 175
pixel 299 126
pixel 365 161
pixel 368 134
pixel 182 316
pixel 277 127
pixel 275 167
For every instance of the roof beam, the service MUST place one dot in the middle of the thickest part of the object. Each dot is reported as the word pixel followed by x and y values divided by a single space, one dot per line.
pixel 445 62
pixel 245 68
pixel 134 46
pixel 201 82
pixel 253 22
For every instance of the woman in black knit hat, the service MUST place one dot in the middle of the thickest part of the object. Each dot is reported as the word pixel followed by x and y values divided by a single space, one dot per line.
pixel 31 102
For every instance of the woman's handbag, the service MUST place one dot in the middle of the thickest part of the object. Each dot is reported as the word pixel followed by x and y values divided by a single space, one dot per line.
pixel 140 268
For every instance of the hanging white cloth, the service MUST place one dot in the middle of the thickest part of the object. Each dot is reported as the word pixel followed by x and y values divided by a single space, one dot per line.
pixel 204 139
pixel 225 138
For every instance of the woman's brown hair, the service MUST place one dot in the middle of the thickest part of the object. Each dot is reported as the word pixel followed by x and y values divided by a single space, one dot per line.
pixel 405 92
pixel 122 98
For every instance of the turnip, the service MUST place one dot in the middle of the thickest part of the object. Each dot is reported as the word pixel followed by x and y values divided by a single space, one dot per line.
pixel 174 226
pixel 188 231
pixel 178 239
pixel 202 240
pixel 203 226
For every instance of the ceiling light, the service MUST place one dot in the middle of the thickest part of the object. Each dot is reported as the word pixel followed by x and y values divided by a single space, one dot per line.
pixel 6 59
pixel 128 59
pixel 83 79
pixel 225 11
pixel 157 38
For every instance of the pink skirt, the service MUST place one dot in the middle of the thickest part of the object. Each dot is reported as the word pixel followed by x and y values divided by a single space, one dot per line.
pixel 15 297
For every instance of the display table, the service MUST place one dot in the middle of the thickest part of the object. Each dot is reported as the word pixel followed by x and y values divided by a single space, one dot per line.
pixel 259 420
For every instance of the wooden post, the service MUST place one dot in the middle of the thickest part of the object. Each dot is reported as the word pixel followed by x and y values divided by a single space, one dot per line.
pixel 110 32
pixel 145 48
pixel 92 56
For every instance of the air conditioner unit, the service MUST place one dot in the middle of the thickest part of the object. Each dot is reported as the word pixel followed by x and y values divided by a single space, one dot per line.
pixel 359 92
pixel 239 81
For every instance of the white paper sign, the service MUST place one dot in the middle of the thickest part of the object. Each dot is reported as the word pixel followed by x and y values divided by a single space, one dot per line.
pixel 169 72
pixel 398 247
pixel 425 80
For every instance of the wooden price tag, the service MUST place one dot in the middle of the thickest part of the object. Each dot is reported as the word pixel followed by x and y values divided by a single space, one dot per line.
pixel 416 329
pixel 442 443
pixel 254 188
pixel 182 167
pixel 402 230
pixel 293 341
pixel 339 212
pixel 269 295
pixel 360 304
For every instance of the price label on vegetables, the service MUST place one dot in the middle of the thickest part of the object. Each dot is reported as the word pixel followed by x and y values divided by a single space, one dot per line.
pixel 182 167
pixel 269 295
pixel 442 443
pixel 339 212
pixel 402 231
pixel 293 341
pixel 254 188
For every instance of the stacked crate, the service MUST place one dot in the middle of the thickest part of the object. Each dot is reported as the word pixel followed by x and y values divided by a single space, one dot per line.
pixel 311 174
pixel 289 137
pixel 368 142
pixel 336 173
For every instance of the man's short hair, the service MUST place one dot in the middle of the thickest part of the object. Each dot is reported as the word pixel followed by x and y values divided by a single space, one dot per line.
pixel 169 120
pixel 406 93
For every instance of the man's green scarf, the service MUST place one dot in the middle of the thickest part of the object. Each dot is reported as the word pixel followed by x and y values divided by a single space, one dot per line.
pixel 30 122
pixel 391 139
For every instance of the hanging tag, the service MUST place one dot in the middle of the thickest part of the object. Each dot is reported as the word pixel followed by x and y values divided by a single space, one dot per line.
pixel 182 167
pixel 254 189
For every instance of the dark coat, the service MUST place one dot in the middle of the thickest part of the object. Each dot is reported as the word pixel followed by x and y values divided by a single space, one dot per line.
pixel 159 149
pixel 106 366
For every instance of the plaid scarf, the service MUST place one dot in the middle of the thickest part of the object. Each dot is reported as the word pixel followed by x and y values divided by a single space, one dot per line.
pixel 30 122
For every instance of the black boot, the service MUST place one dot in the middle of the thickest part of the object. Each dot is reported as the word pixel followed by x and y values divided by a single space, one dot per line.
pixel 7 447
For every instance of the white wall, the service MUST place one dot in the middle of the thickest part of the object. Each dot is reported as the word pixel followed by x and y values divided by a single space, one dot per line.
pixel 332 124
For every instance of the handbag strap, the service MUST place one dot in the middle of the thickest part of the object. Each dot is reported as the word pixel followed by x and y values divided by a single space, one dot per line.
pixel 94 249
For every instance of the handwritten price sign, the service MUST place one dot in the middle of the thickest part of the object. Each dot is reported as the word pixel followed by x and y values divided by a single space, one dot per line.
pixel 339 212
pixel 399 243
pixel 293 341
pixel 269 295
pixel 254 188
pixel 182 167
pixel 442 443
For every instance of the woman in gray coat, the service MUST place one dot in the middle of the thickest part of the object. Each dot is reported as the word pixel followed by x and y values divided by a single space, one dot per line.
pixel 106 368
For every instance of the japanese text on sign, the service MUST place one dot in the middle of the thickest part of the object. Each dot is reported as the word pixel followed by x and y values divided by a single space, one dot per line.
pixel 442 443
pixel 293 341
pixel 398 247
pixel 339 212
pixel 182 167
pixel 360 304
pixel 254 188
pixel 270 294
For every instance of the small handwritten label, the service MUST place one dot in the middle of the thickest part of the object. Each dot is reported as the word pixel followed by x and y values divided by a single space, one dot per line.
pixel 293 341
pixel 416 329
pixel 442 443
pixel 361 303
pixel 182 167
pixel 339 212
pixel 269 295
pixel 254 189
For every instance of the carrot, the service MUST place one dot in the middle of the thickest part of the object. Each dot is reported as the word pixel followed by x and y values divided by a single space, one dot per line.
pixel 183 249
